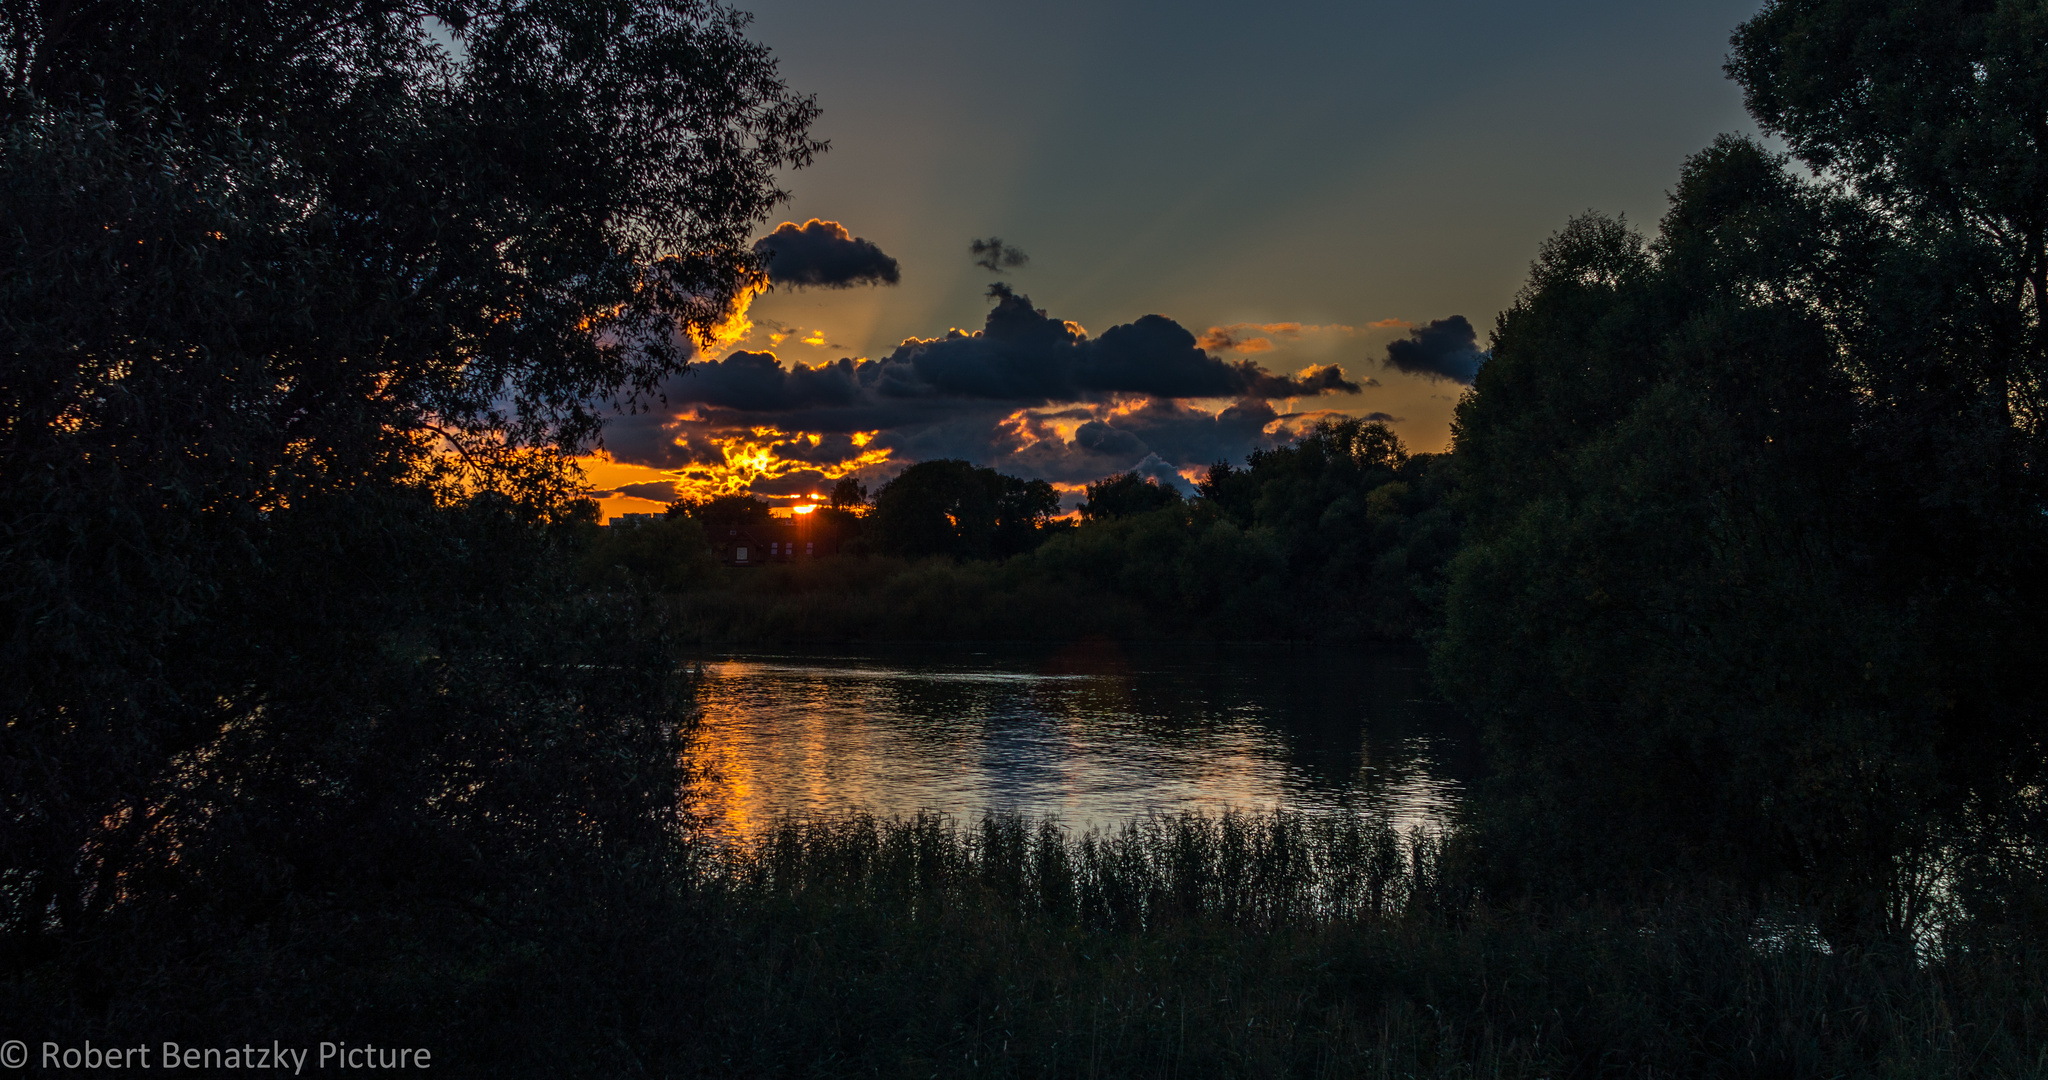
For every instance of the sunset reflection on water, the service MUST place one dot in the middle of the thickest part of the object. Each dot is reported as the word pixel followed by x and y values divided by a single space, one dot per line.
pixel 1095 735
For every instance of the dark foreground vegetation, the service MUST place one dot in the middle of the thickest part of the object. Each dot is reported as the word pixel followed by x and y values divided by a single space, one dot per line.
pixel 1185 946
pixel 328 716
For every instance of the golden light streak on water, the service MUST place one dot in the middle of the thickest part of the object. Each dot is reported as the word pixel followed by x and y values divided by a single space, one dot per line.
pixel 1084 735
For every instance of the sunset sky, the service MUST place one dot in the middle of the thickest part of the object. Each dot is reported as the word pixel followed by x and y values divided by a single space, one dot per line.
pixel 1222 205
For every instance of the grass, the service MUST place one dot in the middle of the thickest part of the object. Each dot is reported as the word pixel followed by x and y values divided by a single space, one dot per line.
pixel 1286 946
pixel 1186 946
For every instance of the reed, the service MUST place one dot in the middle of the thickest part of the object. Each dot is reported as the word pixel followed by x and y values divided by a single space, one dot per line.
pixel 1235 945
pixel 1246 870
pixel 1288 945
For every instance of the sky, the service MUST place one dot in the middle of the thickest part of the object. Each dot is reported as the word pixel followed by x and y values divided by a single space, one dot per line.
pixel 1235 220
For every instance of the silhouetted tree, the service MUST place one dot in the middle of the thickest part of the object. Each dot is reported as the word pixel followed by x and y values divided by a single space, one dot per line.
pixel 1125 494
pixel 950 507
pixel 302 309
pixel 849 494
pixel 669 554
pixel 727 515
pixel 1719 625
pixel 1363 525
pixel 1938 113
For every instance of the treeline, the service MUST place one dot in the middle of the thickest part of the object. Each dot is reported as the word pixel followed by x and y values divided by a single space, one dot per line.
pixel 1341 536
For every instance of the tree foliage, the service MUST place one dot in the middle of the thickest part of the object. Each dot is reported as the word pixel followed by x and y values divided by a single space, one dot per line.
pixel 1125 494
pixel 950 507
pixel 667 555
pixel 1722 599
pixel 1363 525
pixel 301 306
pixel 1340 538
pixel 1938 113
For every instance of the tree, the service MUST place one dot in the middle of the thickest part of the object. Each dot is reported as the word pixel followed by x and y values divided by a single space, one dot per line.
pixel 1937 112
pixel 1125 494
pixel 1362 522
pixel 849 493
pixel 1934 117
pixel 1701 605
pixel 669 554
pixel 950 507
pixel 726 515
pixel 302 308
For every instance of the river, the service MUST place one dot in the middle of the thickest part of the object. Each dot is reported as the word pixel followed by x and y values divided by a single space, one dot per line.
pixel 1094 734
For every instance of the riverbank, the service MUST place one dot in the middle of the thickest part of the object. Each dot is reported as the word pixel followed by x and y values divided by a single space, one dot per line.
pixel 883 599
pixel 875 599
pixel 1178 950
pixel 1191 946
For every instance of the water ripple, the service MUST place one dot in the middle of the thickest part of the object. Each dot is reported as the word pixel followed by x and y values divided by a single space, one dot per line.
pixel 1096 735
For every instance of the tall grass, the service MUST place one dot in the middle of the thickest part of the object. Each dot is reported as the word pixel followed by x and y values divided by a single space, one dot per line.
pixel 1283 945
pixel 1184 946
pixel 1247 871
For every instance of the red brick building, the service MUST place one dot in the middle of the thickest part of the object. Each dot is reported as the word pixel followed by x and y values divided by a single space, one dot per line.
pixel 784 539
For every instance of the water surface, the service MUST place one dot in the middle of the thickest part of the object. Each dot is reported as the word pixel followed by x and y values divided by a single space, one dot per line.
pixel 1095 734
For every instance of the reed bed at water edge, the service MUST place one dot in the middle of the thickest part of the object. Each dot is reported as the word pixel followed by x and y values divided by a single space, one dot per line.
pixel 1249 870
pixel 1257 945
pixel 1235 945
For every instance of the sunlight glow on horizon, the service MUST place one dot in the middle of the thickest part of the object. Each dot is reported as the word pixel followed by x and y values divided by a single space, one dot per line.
pixel 720 460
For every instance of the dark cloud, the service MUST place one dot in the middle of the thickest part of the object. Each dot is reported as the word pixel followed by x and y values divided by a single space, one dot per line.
pixel 1195 437
pixel 1315 379
pixel 802 482
pixel 815 449
pixel 995 256
pixel 1067 462
pixel 1028 394
pixel 1021 356
pixel 1110 438
pixel 1116 439
pixel 1024 355
pixel 1099 438
pixel 1445 349
pixel 1160 471
pixel 649 438
pixel 823 254
pixel 659 491
pixel 1232 339
pixel 757 382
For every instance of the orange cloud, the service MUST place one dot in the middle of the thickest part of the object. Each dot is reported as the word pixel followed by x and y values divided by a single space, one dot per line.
pixel 777 334
pixel 734 326
pixel 1310 373
pixel 729 462
pixel 1238 337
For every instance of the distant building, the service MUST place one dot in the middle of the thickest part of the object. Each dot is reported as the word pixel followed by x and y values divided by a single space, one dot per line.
pixel 627 521
pixel 781 540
